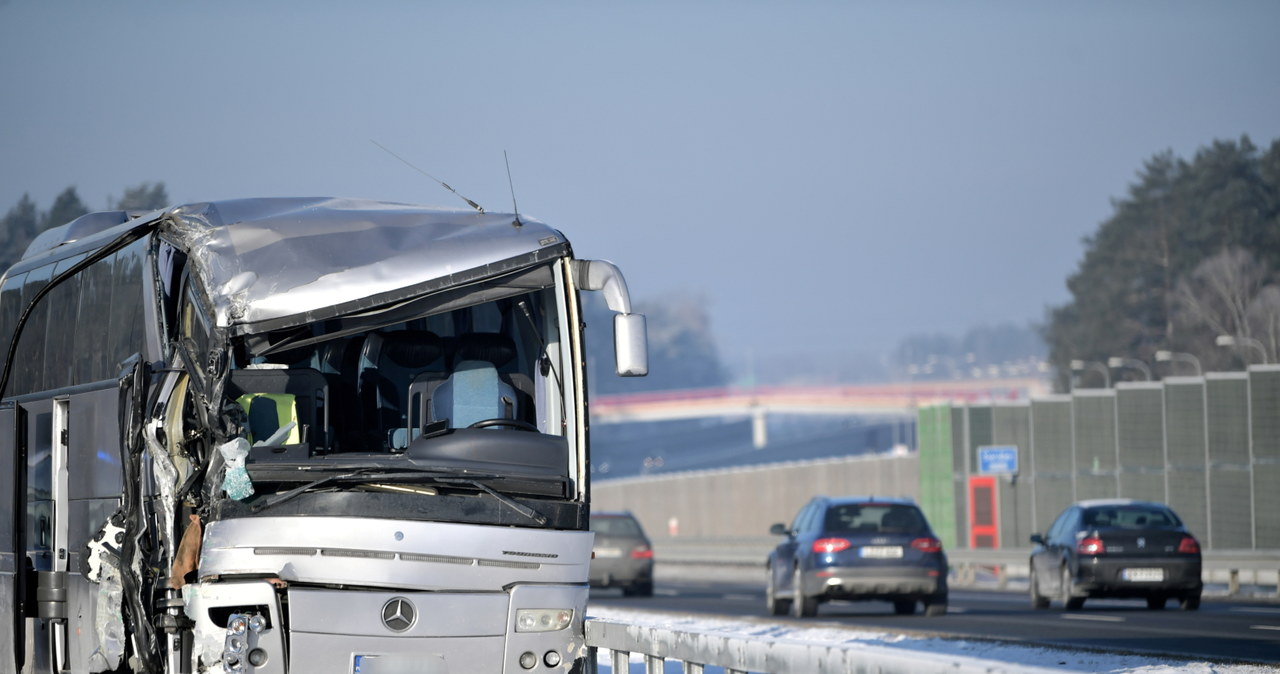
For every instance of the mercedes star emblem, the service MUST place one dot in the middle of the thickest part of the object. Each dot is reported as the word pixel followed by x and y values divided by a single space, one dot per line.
pixel 398 614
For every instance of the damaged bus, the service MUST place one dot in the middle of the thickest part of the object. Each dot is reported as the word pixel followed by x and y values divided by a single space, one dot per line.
pixel 298 435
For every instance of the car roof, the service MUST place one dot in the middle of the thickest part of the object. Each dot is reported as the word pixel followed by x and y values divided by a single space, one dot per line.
pixel 1102 502
pixel 842 500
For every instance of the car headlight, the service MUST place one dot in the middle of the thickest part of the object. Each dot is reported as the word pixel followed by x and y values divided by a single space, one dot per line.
pixel 543 619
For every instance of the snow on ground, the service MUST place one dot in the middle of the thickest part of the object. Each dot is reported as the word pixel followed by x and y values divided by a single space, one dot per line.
pixel 1003 656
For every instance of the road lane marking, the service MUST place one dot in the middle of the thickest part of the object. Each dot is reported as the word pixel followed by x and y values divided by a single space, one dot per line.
pixel 1096 618
pixel 1265 627
pixel 1255 610
pixel 667 593
pixel 740 597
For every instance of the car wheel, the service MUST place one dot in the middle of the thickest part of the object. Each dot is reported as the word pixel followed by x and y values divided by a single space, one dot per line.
pixel 1037 600
pixel 641 590
pixel 1071 603
pixel 1156 603
pixel 802 605
pixel 904 606
pixel 775 605
pixel 1190 602
pixel 935 606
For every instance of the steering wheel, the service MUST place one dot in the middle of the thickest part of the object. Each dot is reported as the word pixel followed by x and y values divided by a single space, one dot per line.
pixel 512 423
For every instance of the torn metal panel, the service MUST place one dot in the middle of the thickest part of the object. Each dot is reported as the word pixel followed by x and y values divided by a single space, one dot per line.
pixel 276 263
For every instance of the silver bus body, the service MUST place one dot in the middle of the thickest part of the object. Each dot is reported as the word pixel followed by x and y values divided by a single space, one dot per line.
pixel 298 435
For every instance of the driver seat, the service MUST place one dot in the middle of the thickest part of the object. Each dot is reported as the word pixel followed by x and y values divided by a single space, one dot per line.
pixel 473 393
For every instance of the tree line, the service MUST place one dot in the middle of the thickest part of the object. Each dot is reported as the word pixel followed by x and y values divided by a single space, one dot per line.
pixel 1190 255
pixel 24 221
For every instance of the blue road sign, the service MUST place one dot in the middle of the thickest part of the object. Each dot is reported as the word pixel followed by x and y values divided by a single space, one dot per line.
pixel 998 459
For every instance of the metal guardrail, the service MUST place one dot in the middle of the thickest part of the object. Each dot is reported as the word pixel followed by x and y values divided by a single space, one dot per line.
pixel 697 650
pixel 1233 568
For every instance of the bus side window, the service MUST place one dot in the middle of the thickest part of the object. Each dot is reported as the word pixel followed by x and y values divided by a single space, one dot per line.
pixel 126 332
pixel 29 359
pixel 64 304
pixel 10 310
pixel 91 362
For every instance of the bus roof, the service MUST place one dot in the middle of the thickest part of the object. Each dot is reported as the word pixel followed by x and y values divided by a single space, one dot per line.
pixel 276 262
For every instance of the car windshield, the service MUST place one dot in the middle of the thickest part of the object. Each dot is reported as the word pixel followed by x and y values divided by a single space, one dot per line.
pixel 1130 517
pixel 874 518
pixel 616 526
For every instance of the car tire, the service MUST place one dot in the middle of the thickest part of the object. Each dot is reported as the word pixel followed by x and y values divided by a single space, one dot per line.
pixel 1156 603
pixel 640 590
pixel 935 606
pixel 1038 601
pixel 904 606
pixel 802 605
pixel 776 605
pixel 1069 602
pixel 1190 602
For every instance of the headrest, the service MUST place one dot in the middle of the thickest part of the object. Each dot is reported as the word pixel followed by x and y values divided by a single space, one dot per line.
pixel 411 349
pixel 491 347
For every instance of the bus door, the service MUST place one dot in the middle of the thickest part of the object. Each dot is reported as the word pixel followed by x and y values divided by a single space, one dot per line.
pixel 45 533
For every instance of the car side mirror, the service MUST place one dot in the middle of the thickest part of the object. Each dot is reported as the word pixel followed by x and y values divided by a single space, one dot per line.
pixel 1037 538
pixel 779 530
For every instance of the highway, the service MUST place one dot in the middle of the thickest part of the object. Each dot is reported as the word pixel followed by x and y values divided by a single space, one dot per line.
pixel 1222 630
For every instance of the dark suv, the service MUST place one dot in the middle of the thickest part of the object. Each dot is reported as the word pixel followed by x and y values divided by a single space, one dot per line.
pixel 857 549
pixel 621 556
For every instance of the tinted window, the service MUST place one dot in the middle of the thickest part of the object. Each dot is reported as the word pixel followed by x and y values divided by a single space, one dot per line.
pixel 10 309
pixel 125 334
pixel 804 517
pixel 91 359
pixel 64 303
pixel 1130 517
pixel 874 518
pixel 29 360
pixel 1064 529
pixel 616 526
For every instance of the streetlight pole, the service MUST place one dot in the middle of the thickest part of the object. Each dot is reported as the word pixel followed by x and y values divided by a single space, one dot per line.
pixel 1079 365
pixel 1118 362
pixel 1167 356
pixel 1238 341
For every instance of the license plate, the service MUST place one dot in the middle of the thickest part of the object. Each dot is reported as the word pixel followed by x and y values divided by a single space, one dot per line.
pixel 429 663
pixel 608 553
pixel 881 551
pixel 1142 575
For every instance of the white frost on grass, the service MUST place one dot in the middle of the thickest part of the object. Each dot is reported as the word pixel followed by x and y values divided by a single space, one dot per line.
pixel 1008 657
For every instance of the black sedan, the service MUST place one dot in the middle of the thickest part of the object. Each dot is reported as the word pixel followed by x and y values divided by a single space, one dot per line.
pixel 857 549
pixel 622 555
pixel 1116 548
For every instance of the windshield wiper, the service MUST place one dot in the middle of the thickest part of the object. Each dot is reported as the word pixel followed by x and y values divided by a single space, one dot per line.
pixel 371 473
pixel 510 502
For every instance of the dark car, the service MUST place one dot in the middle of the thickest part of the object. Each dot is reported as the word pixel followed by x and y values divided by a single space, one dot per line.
pixel 622 555
pixel 1116 548
pixel 857 549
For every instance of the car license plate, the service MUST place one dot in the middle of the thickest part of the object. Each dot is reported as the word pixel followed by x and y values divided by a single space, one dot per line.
pixel 608 553
pixel 1142 575
pixel 881 551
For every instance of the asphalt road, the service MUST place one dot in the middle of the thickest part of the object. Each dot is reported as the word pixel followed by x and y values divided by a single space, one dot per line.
pixel 1222 630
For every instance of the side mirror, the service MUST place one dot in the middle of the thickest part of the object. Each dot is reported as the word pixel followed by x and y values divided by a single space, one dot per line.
pixel 630 342
pixel 630 345
pixel 779 529
pixel 1037 539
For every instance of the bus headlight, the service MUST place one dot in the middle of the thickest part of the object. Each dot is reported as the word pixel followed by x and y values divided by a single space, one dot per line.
pixel 543 619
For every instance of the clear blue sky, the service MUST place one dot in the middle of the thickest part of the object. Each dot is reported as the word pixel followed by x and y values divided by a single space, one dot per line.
pixel 829 176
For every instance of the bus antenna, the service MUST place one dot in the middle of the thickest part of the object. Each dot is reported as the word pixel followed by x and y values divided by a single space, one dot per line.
pixel 443 184
pixel 514 208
